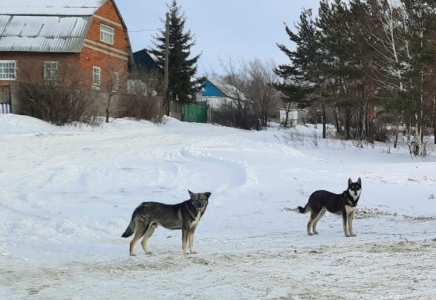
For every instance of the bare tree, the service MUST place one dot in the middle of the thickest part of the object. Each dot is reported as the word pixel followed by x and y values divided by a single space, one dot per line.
pixel 113 88
pixel 395 34
pixel 384 30
pixel 249 84
pixel 266 99
pixel 143 96
pixel 241 111
pixel 57 96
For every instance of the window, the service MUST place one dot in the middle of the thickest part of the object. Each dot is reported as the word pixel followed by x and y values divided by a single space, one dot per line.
pixel 8 70
pixel 50 70
pixel 115 79
pixel 107 34
pixel 96 77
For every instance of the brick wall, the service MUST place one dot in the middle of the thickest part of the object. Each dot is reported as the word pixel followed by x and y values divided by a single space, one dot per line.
pixel 110 58
pixel 32 64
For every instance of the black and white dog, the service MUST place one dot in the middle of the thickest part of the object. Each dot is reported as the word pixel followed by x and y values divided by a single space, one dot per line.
pixel 341 204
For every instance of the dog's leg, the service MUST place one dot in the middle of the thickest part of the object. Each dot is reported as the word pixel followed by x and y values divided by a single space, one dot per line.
pixel 147 235
pixel 320 215
pixel 185 234
pixel 313 216
pixel 344 224
pixel 350 223
pixel 138 234
pixel 191 242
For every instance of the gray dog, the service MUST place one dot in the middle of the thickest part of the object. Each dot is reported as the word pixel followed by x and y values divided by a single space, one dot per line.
pixel 185 216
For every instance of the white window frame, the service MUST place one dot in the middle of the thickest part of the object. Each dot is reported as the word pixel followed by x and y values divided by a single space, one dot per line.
pixel 49 66
pixel 96 77
pixel 107 34
pixel 115 81
pixel 8 75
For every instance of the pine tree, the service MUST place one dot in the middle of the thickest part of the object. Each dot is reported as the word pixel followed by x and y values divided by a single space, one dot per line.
pixel 301 76
pixel 401 37
pixel 420 23
pixel 181 85
pixel 342 66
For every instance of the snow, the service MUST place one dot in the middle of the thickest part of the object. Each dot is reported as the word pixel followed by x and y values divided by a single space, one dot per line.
pixel 50 7
pixel 67 194
pixel 228 89
pixel 43 33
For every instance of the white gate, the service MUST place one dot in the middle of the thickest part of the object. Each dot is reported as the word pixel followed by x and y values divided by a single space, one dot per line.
pixel 5 100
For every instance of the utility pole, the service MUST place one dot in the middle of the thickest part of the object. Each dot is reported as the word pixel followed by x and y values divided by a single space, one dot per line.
pixel 166 69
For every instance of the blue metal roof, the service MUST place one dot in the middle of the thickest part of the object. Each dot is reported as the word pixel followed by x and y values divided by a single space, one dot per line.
pixel 210 90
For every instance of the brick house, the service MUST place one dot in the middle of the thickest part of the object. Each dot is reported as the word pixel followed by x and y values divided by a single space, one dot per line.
pixel 52 37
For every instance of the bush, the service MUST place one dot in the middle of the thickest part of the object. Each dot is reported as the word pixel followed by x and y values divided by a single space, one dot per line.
pixel 142 107
pixel 143 97
pixel 58 104
pixel 231 116
pixel 381 134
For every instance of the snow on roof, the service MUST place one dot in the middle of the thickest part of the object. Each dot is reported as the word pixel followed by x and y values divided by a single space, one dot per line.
pixel 228 89
pixel 152 56
pixel 64 34
pixel 45 25
pixel 50 7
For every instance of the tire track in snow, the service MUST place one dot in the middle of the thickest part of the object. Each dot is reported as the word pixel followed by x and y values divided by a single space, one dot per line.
pixel 240 173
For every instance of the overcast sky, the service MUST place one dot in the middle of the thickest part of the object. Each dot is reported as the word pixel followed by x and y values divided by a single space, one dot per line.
pixel 243 29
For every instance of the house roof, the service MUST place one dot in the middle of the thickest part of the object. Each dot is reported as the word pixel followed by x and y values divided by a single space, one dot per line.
pixel 50 7
pixel 229 90
pixel 144 58
pixel 46 25
pixel 43 33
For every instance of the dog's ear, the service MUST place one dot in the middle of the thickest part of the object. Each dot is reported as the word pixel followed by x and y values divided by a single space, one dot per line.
pixel 191 194
pixel 360 182
pixel 349 181
pixel 207 195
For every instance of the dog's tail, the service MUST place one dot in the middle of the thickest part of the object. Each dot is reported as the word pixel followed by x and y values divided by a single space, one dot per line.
pixel 131 228
pixel 303 210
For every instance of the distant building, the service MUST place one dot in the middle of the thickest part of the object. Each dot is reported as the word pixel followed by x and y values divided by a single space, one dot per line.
pixel 216 94
pixel 146 60
pixel 295 116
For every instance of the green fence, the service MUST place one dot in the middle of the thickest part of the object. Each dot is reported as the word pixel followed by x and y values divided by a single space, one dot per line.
pixel 195 113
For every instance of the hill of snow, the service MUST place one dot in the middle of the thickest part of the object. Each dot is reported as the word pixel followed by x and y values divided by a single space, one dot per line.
pixel 67 195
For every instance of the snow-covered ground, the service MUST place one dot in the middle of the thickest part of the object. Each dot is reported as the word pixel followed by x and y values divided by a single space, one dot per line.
pixel 67 194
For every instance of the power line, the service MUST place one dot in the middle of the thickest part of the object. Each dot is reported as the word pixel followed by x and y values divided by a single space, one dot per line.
pixel 143 30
